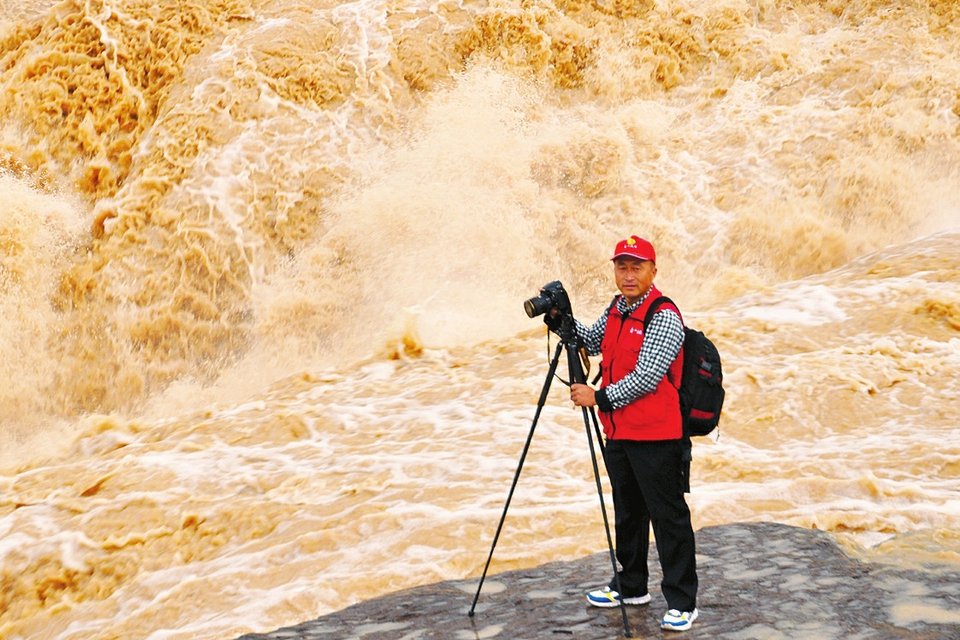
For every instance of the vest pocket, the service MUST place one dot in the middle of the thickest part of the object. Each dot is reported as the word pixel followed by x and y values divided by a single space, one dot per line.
pixel 624 362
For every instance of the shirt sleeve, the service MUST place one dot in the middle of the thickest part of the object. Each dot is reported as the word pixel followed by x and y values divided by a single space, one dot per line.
pixel 592 336
pixel 661 346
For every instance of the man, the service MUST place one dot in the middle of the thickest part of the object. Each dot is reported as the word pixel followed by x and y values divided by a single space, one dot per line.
pixel 639 408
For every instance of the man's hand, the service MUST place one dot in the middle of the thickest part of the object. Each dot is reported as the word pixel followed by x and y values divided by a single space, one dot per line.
pixel 553 321
pixel 582 395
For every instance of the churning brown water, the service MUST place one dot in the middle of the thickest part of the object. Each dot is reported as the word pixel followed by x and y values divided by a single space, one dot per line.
pixel 262 346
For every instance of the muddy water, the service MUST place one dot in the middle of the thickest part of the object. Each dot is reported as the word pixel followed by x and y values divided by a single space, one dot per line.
pixel 262 263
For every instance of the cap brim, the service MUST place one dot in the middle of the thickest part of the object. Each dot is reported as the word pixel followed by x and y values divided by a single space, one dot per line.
pixel 630 255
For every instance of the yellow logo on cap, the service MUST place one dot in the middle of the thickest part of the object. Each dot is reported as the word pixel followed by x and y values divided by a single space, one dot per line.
pixel 631 241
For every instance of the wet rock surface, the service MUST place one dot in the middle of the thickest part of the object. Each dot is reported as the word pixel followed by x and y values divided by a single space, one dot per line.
pixel 757 581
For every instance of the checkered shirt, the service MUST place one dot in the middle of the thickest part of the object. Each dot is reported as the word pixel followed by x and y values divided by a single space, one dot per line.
pixel 661 346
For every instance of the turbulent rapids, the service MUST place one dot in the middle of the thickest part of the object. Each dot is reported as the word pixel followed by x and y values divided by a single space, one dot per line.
pixel 262 265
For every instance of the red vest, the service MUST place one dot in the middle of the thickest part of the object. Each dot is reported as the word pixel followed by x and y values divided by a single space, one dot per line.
pixel 656 415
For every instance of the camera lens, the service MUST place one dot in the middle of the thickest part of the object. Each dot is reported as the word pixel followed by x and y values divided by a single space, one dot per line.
pixel 535 306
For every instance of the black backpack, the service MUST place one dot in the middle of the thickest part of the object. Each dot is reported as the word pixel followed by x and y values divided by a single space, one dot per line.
pixel 701 385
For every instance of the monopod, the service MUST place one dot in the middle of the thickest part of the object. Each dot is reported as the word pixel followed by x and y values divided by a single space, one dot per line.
pixel 570 342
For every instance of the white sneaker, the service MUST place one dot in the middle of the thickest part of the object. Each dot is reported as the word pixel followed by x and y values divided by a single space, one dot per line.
pixel 607 597
pixel 679 620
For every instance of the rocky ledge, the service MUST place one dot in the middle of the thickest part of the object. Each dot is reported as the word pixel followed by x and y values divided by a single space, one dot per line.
pixel 757 581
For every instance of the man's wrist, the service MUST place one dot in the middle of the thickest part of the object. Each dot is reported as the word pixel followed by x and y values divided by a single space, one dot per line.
pixel 603 402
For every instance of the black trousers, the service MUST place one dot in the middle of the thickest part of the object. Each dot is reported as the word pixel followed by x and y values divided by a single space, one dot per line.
pixel 648 488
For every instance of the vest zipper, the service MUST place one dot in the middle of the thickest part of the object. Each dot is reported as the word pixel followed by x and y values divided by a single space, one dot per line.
pixel 623 322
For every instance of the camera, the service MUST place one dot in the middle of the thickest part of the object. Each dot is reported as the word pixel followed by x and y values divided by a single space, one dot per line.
pixel 552 296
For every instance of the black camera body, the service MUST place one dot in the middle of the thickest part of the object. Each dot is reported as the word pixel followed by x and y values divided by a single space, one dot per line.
pixel 552 296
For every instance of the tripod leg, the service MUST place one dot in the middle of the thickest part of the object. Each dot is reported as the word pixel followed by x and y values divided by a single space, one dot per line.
pixel 606 525
pixel 576 375
pixel 516 476
pixel 596 429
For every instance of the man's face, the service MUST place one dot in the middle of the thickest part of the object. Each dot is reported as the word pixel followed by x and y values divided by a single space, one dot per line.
pixel 634 277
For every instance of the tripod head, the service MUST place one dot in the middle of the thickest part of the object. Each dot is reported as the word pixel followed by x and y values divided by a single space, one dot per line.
pixel 566 329
pixel 576 356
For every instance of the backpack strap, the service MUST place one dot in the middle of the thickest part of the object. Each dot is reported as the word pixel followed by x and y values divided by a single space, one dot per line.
pixel 651 310
pixel 687 445
pixel 612 304
pixel 654 307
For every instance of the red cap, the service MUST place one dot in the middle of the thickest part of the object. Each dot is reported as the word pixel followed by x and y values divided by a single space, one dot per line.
pixel 635 247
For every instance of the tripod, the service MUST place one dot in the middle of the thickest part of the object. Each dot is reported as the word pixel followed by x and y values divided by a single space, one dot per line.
pixel 571 344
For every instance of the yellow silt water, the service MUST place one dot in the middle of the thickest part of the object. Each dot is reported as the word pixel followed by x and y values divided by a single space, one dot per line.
pixel 262 346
